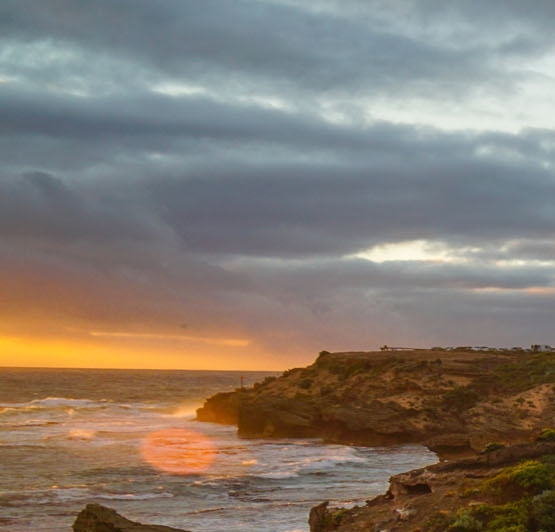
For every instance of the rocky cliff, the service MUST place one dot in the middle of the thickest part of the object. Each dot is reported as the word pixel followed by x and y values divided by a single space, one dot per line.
pixel 506 490
pixel 453 402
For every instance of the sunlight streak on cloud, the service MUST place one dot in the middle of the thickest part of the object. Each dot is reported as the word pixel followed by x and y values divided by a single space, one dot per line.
pixel 231 342
pixel 415 250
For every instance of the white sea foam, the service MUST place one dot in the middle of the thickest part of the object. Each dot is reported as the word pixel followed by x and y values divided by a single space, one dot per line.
pixel 134 496
pixel 279 474
pixel 81 434
pixel 71 494
pixel 64 402
pixel 186 411
pixel 48 496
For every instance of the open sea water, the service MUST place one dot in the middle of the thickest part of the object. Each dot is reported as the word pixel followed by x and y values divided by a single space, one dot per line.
pixel 127 439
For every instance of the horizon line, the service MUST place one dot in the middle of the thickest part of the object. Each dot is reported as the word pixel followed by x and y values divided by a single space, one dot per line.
pixel 142 369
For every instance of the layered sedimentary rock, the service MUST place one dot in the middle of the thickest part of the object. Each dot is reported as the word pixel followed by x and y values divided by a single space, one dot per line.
pixel 453 402
pixel 97 518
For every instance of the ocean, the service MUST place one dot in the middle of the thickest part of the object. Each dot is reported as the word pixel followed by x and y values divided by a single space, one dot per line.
pixel 127 439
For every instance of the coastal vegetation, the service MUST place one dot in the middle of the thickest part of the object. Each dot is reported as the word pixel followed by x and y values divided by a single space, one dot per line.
pixel 519 498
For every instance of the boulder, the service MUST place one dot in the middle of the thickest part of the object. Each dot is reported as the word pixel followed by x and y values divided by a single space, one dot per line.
pixel 97 518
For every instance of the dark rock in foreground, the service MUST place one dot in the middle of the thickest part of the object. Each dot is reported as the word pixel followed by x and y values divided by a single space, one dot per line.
pixel 97 518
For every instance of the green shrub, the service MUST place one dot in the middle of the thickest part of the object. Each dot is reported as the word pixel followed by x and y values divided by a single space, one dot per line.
pixel 337 516
pixel 512 517
pixel 542 512
pixel 526 372
pixel 460 398
pixel 528 502
pixel 547 434
pixel 466 522
pixel 437 522
pixel 492 446
pixel 525 479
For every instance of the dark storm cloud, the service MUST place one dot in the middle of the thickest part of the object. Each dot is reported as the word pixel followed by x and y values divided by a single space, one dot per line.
pixel 38 205
pixel 270 182
pixel 327 209
pixel 493 16
pixel 157 118
pixel 277 48
pixel 538 14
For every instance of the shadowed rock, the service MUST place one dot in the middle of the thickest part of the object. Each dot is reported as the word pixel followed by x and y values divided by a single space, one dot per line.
pixel 97 518
pixel 318 517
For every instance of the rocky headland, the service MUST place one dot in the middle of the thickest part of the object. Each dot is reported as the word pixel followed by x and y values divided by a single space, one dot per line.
pixel 454 402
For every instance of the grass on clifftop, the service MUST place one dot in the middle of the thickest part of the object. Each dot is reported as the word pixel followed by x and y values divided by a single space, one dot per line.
pixel 526 372
pixel 520 498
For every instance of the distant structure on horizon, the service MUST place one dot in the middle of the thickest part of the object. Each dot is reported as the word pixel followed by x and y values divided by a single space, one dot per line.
pixel 534 348
pixel 541 348
pixel 388 348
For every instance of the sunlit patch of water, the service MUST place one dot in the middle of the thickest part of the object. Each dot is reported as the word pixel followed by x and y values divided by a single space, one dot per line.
pixel 178 451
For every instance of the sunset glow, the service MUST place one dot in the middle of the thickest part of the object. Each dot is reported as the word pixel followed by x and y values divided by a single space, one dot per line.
pixel 155 353
pixel 178 451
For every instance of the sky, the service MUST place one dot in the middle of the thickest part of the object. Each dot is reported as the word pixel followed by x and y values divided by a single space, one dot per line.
pixel 239 184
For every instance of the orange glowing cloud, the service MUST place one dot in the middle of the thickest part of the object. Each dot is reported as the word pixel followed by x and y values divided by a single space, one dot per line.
pixel 178 451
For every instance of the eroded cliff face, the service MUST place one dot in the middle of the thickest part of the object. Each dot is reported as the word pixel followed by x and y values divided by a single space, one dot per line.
pixel 511 488
pixel 453 402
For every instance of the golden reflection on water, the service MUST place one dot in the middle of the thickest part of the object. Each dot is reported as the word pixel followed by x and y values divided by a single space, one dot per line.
pixel 178 451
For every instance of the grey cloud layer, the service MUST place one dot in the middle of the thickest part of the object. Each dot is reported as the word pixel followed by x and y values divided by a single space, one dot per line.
pixel 224 205
pixel 331 189
pixel 268 46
